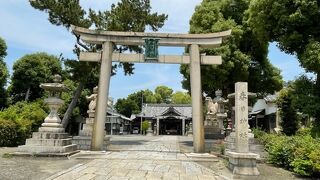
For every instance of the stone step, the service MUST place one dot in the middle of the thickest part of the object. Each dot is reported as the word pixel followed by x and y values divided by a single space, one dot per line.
pixel 49 135
pixel 49 142
pixel 47 149
pixel 233 140
pixel 84 143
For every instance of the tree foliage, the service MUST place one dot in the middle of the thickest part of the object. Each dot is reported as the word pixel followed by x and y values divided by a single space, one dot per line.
pixel 29 72
pixel 244 56
pixel 126 15
pixel 289 120
pixel 294 25
pixel 180 98
pixel 3 73
pixel 163 94
pixel 27 117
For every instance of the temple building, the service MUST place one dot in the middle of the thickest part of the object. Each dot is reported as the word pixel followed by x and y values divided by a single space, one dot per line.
pixel 166 119
pixel 265 114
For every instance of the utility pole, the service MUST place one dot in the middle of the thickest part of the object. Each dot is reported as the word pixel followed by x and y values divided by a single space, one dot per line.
pixel 141 113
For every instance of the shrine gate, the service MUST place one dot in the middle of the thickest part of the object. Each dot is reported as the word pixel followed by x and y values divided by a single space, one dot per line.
pixel 150 41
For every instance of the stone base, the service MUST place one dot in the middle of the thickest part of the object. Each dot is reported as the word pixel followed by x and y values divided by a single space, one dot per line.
pixel 48 143
pixel 84 142
pixel 211 132
pixel 243 163
pixel 254 145
pixel 51 129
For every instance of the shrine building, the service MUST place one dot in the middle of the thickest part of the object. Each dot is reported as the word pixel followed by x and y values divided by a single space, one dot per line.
pixel 166 119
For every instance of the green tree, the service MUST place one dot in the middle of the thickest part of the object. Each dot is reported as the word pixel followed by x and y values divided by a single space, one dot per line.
pixel 289 120
pixel 126 107
pixel 165 93
pixel 3 73
pixel 126 15
pixel 180 98
pixel 132 104
pixel 244 57
pixel 29 72
pixel 294 25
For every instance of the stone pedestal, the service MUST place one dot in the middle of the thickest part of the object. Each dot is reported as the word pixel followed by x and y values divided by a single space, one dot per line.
pixel 243 163
pixel 85 135
pixel 88 126
pixel 254 145
pixel 213 128
pixel 51 138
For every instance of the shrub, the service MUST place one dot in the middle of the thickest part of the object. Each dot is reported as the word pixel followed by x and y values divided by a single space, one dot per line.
pixel 303 132
pixel 27 117
pixel 280 150
pixel 258 133
pixel 8 133
pixel 298 153
pixel 145 125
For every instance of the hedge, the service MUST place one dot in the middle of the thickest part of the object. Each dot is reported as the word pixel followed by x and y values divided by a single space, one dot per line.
pixel 299 153
pixel 8 133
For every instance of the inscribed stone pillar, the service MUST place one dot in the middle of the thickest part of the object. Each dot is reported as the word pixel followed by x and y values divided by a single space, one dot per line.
pixel 183 126
pixel 241 117
pixel 103 92
pixel 196 96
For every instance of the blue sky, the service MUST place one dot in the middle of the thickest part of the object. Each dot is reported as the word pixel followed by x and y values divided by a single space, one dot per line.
pixel 27 30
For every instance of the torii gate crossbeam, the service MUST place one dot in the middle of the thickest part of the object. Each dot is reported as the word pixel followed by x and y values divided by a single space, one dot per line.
pixel 110 38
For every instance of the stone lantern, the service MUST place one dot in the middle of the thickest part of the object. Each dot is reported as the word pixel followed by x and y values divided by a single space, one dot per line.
pixel 51 140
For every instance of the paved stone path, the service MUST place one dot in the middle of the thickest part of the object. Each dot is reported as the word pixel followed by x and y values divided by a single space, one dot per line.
pixel 158 158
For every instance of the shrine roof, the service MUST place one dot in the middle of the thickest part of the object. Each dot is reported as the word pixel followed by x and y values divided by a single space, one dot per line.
pixel 156 110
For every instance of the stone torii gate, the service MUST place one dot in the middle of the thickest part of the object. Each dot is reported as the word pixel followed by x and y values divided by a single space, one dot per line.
pixel 151 41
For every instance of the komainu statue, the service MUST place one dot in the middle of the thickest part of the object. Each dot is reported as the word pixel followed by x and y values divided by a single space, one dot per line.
pixel 93 99
pixel 212 108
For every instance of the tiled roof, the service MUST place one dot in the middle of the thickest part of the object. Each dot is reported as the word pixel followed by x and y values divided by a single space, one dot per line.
pixel 154 110
pixel 271 98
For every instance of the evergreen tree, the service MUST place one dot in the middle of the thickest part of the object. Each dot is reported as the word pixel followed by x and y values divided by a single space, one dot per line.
pixel 126 15
pixel 3 73
pixel 294 25
pixel 289 120
pixel 244 58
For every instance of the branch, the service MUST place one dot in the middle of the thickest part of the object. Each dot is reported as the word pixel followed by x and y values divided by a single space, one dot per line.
pixel 80 43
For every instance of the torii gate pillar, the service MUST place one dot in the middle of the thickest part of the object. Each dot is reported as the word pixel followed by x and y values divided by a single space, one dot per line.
pixel 98 132
pixel 196 99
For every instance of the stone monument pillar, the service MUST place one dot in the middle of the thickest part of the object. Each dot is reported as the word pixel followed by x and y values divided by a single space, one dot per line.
pixel 84 139
pixel 242 161
pixel 51 138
